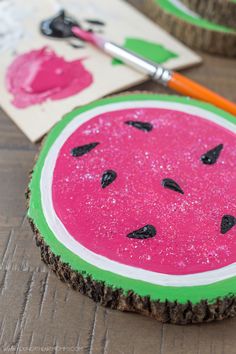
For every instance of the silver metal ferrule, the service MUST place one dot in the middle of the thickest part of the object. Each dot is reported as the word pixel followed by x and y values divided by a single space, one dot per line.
pixel 154 71
pixel 162 75
pixel 130 58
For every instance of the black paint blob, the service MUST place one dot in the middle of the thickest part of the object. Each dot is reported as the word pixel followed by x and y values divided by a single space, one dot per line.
pixel 211 156
pixel 95 22
pixel 145 232
pixel 108 177
pixel 147 127
pixel 58 26
pixel 76 44
pixel 82 150
pixel 227 222
pixel 171 184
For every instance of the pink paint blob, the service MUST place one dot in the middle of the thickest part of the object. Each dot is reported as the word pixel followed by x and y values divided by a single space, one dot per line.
pixel 39 75
pixel 188 238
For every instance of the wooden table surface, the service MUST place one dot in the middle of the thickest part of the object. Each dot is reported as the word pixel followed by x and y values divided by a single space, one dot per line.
pixel 39 313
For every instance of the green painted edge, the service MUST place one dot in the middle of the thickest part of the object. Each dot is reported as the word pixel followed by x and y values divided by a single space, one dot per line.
pixel 156 292
pixel 169 7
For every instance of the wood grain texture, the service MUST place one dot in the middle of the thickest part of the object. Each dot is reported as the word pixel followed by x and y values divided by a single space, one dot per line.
pixel 38 312
pixel 218 11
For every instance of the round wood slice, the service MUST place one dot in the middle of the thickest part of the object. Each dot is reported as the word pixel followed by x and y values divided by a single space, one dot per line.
pixel 127 201
pixel 196 32
pixel 219 11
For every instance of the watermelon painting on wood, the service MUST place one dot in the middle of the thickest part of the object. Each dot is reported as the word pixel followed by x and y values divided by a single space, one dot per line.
pixel 133 202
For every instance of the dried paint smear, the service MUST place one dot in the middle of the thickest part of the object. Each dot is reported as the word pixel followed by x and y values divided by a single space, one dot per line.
pixel 149 50
pixel 39 75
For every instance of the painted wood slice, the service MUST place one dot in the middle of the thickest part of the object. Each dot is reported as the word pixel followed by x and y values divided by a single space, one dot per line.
pixel 133 202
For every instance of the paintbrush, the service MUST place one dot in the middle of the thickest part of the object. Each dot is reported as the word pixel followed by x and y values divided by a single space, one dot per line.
pixel 156 72
pixel 64 26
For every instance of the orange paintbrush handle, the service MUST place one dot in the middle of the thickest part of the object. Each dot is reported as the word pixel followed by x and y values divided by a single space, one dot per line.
pixel 190 88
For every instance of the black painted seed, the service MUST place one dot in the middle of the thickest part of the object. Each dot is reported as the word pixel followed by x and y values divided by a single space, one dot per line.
pixel 145 232
pixel 95 22
pixel 211 156
pixel 108 177
pixel 171 184
pixel 82 150
pixel 227 222
pixel 145 126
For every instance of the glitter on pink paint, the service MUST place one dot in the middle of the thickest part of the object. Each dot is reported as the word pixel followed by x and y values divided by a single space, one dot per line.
pixel 39 75
pixel 188 238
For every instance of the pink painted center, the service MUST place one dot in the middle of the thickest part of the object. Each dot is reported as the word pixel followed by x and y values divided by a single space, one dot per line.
pixel 188 238
pixel 39 75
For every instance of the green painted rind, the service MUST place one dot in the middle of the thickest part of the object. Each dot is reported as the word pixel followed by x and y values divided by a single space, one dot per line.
pixel 169 7
pixel 181 294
